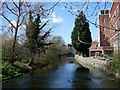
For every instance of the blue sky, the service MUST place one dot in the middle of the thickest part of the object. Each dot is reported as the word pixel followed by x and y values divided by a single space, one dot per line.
pixel 65 26
pixel 63 21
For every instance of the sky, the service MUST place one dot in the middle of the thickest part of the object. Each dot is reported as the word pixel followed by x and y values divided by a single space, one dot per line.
pixel 63 20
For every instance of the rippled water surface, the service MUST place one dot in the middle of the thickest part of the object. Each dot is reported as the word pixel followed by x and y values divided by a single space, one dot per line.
pixel 66 76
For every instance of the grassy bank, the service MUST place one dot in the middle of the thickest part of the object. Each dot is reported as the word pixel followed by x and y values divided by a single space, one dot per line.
pixel 50 59
pixel 13 70
pixel 19 68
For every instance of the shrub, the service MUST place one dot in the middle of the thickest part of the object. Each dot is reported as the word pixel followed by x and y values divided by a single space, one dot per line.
pixel 20 64
pixel 114 66
pixel 14 69
pixel 106 56
pixel 9 70
pixel 1 76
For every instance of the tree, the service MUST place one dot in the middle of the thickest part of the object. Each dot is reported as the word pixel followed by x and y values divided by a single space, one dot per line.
pixel 81 35
pixel 58 40
pixel 36 42
pixel 18 12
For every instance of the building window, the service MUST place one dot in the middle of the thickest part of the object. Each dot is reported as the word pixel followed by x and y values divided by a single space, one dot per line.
pixel 103 29
pixel 96 45
pixel 103 36
pixel 102 11
pixel 106 11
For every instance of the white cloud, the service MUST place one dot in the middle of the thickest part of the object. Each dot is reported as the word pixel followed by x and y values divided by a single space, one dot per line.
pixel 75 10
pixel 56 19
pixel 15 23
pixel 53 18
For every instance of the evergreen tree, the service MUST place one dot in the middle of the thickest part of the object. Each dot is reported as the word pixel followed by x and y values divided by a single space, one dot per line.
pixel 30 34
pixel 36 42
pixel 81 35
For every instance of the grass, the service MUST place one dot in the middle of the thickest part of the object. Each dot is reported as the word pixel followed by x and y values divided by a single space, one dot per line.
pixel 12 70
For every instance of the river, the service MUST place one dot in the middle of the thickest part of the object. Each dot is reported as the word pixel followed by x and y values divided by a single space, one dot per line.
pixel 65 76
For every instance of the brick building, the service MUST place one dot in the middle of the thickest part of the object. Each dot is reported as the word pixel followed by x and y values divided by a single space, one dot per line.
pixel 115 25
pixel 108 31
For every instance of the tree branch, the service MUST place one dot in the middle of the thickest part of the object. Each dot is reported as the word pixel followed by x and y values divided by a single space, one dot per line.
pixel 10 10
pixel 23 19
pixel 43 25
pixel 8 21
pixel 15 4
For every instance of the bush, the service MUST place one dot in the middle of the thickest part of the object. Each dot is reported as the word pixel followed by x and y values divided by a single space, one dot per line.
pixel 1 76
pixel 114 66
pixel 20 64
pixel 106 56
pixel 9 70
pixel 51 56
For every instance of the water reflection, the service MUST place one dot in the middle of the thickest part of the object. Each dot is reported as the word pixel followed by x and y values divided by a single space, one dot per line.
pixel 66 76
pixel 70 59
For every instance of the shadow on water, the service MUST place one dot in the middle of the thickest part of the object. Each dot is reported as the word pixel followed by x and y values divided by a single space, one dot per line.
pixel 94 78
pixel 67 75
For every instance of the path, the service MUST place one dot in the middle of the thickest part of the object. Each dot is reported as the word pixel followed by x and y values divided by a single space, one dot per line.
pixel 89 61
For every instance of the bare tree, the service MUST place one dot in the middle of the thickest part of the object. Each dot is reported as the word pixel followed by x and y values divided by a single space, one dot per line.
pixel 16 10
pixel 19 11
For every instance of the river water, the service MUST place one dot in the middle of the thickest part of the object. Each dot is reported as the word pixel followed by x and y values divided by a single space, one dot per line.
pixel 65 76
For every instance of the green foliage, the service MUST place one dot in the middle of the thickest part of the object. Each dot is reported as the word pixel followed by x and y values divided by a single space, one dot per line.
pixel 106 55
pixel 6 50
pixel 35 46
pixel 0 65
pixel 11 70
pixel 1 76
pixel 32 34
pixel 36 41
pixel 21 65
pixel 21 54
pixel 114 66
pixel 82 31
pixel 52 56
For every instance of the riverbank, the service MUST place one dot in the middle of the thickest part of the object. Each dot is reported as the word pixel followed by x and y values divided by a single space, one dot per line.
pixel 13 72
pixel 65 76
pixel 96 63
